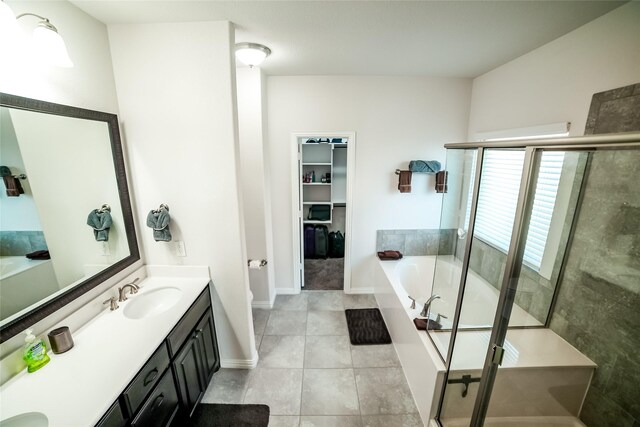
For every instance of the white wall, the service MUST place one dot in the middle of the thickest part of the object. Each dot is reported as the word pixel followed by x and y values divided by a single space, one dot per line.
pixel 257 217
pixel 396 119
pixel 555 82
pixel 176 87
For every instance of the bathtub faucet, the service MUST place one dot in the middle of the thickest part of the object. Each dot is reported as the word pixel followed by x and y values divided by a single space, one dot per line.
pixel 425 309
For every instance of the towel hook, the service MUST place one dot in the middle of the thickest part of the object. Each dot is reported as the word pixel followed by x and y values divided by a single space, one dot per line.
pixel 163 206
pixel 398 171
pixel 104 208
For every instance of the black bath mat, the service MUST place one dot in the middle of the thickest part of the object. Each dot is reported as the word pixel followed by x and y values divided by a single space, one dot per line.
pixel 219 415
pixel 367 327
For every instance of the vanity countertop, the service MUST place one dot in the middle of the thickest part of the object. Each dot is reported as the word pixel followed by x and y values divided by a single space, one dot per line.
pixel 77 387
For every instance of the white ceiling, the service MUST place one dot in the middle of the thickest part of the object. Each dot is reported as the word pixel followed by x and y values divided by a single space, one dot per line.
pixel 433 38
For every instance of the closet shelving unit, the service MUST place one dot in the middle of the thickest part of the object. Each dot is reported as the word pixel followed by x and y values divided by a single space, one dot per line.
pixel 321 158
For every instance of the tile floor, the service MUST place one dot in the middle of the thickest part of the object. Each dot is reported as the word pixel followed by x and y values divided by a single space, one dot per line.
pixel 309 373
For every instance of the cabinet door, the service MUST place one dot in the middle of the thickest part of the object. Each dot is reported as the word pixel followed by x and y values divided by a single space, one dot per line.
pixel 113 418
pixel 206 335
pixel 161 406
pixel 188 367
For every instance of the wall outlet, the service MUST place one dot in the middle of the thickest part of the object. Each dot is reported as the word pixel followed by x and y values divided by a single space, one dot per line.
pixel 180 249
pixel 105 249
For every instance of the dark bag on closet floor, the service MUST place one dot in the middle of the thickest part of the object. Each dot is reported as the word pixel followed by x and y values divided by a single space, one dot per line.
pixel 309 241
pixel 336 245
pixel 319 212
pixel 322 241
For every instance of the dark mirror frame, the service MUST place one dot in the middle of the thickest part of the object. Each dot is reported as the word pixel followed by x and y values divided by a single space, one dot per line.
pixel 22 322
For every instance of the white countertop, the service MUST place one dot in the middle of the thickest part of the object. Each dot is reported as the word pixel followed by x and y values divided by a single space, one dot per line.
pixel 77 387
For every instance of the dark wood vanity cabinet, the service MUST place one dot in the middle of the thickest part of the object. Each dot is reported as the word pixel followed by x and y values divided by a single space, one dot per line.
pixel 196 363
pixel 172 382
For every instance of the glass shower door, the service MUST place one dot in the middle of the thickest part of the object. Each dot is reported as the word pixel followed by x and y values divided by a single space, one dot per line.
pixel 454 226
pixel 491 217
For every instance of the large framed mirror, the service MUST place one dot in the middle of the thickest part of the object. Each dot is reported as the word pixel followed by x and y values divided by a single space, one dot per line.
pixel 66 223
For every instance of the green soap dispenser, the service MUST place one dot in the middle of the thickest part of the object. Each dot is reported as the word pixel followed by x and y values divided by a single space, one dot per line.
pixel 35 352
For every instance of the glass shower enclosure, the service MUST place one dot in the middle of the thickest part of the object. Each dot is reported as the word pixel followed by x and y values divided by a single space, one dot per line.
pixel 536 312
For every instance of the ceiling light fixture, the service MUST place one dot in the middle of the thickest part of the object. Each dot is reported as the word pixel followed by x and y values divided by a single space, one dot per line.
pixel 252 54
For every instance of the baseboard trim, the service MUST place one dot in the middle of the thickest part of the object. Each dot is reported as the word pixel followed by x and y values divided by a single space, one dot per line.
pixel 287 291
pixel 239 363
pixel 262 304
pixel 361 291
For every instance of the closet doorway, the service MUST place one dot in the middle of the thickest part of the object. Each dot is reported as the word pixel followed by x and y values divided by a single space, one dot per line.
pixel 323 169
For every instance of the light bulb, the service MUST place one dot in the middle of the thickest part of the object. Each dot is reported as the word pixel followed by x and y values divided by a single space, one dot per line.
pixel 49 45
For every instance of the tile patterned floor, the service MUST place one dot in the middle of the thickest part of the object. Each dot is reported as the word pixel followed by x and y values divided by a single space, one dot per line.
pixel 309 373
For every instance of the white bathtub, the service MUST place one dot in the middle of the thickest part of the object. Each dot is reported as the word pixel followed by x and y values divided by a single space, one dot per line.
pixel 416 275
pixel 530 353
pixel 24 282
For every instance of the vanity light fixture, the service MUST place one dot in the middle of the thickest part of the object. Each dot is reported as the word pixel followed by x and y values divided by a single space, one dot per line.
pixel 46 42
pixel 252 54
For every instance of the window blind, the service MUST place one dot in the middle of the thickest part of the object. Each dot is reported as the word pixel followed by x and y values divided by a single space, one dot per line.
pixel 497 201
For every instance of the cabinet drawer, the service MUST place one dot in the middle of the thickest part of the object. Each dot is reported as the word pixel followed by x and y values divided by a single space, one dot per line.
pixel 146 379
pixel 113 417
pixel 161 406
pixel 183 329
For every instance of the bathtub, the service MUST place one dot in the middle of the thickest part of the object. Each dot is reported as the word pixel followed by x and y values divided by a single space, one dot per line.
pixel 537 356
pixel 24 282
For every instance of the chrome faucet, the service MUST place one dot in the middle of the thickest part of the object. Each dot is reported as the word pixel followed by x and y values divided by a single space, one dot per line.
pixel 413 302
pixel 425 309
pixel 122 292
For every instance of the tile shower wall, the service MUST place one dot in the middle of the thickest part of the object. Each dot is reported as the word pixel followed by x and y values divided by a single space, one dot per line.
pixel 417 242
pixel 19 243
pixel 534 291
pixel 599 295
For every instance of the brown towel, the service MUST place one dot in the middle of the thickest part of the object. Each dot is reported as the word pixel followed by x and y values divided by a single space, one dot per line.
pixel 441 181
pixel 404 182
pixel 12 183
pixel 389 255
pixel 41 254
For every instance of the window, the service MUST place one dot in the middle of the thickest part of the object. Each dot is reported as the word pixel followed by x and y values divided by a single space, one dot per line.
pixel 499 188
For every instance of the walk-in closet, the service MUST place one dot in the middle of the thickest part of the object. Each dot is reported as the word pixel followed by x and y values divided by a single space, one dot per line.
pixel 322 216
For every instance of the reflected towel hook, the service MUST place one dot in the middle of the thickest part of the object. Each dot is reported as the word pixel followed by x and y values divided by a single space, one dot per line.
pixel 104 208
pixel 21 176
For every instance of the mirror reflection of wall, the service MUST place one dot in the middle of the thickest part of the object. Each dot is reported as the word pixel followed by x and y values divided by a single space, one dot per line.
pixel 70 172
pixel 22 281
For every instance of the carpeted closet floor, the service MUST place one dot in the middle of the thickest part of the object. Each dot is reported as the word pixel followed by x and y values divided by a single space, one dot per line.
pixel 323 274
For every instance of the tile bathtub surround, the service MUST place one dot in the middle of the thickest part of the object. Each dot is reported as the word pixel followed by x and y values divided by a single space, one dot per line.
pixel 19 243
pixel 309 373
pixel 417 242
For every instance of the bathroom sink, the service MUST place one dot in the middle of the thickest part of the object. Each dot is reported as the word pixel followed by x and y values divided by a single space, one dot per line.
pixel 28 419
pixel 151 303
